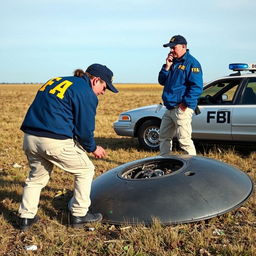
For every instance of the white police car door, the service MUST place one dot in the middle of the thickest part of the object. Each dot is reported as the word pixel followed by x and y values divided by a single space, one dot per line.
pixel 244 114
pixel 214 123
pixel 216 105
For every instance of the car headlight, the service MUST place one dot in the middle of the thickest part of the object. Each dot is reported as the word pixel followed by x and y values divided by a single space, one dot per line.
pixel 124 118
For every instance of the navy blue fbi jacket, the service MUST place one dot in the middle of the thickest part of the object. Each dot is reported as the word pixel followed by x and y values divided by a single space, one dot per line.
pixel 64 107
pixel 183 83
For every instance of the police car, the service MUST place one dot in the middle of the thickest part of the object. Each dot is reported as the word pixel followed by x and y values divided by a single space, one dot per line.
pixel 228 112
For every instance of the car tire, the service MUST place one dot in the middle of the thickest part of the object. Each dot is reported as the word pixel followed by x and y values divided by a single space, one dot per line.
pixel 148 135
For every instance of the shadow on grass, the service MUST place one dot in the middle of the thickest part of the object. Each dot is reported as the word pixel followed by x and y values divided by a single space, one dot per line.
pixel 203 147
pixel 60 204
pixel 243 150
pixel 9 196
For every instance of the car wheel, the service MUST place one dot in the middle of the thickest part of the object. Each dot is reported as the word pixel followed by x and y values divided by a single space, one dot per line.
pixel 148 135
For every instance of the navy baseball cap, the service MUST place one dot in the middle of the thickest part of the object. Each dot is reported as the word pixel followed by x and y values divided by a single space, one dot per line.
pixel 104 73
pixel 178 39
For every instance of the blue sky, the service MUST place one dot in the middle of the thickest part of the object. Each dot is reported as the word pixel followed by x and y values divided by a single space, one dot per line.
pixel 48 38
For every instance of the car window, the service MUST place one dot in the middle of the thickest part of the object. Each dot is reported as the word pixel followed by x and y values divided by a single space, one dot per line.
pixel 220 92
pixel 249 93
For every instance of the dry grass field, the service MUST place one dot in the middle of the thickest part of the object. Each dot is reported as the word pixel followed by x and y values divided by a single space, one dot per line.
pixel 233 233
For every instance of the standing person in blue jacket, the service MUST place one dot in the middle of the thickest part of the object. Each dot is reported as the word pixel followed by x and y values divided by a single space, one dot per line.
pixel 181 77
pixel 59 128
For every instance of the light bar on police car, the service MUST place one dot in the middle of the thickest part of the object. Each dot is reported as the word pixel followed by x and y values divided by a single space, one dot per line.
pixel 238 66
pixel 242 66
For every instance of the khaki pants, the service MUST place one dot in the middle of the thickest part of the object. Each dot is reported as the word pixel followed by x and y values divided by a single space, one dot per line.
pixel 176 122
pixel 42 154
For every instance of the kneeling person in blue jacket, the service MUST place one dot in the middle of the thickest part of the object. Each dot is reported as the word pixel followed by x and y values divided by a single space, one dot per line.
pixel 181 77
pixel 58 129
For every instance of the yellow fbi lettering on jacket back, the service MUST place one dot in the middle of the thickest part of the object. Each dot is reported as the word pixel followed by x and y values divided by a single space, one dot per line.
pixel 60 88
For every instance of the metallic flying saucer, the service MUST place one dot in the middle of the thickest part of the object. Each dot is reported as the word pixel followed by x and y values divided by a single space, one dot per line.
pixel 175 189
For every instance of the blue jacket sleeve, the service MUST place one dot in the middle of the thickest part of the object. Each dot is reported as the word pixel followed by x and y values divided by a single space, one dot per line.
pixel 84 122
pixel 194 85
pixel 163 74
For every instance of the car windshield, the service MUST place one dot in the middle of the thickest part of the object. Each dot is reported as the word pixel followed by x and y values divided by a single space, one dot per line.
pixel 220 92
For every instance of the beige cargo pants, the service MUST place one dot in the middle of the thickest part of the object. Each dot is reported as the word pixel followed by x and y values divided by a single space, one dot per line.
pixel 176 122
pixel 43 154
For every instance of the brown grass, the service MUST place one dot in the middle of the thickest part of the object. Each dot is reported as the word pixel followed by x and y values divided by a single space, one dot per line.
pixel 230 234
